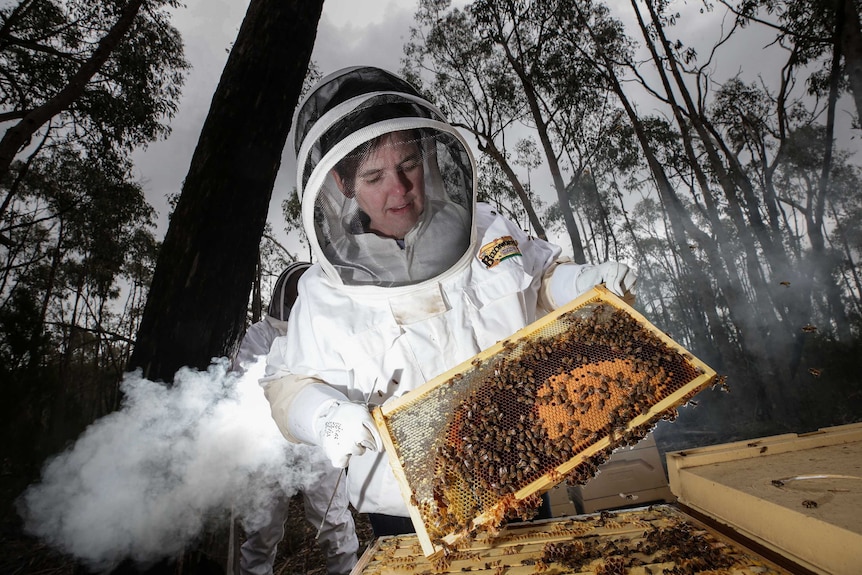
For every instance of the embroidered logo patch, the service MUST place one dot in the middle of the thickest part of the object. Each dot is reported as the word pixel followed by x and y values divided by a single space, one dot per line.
pixel 500 249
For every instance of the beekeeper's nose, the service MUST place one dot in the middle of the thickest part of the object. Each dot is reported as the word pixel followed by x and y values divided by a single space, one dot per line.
pixel 399 183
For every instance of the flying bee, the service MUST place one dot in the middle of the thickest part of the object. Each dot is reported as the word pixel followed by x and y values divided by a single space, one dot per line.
pixel 785 284
pixel 814 371
pixel 808 328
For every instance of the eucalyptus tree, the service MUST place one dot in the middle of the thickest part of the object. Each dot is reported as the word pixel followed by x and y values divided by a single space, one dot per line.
pixel 95 73
pixel 198 299
pixel 78 231
pixel 706 287
pixel 72 232
pixel 599 41
pixel 588 122
pixel 471 82
pixel 738 139
pixel 817 32
pixel 762 126
pixel 525 33
pixel 495 188
pixel 81 85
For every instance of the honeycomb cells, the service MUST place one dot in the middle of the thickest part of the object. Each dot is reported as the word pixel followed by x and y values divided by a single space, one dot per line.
pixel 534 412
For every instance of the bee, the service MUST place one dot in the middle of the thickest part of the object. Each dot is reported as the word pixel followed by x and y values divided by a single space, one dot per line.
pixel 808 328
pixel 763 449
pixel 777 483
pixel 721 384
pixel 814 371
pixel 809 504
pixel 785 284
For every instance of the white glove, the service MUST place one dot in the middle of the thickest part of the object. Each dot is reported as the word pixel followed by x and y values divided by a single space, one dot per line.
pixel 617 277
pixel 346 429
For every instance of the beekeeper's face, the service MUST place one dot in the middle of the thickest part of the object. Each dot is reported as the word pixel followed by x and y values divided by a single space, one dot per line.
pixel 389 184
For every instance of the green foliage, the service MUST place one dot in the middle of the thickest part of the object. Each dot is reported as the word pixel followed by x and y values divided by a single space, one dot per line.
pixel 125 104
pixel 76 233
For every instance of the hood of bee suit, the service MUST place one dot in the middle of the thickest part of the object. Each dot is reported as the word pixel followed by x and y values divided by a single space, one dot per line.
pixel 284 291
pixel 371 150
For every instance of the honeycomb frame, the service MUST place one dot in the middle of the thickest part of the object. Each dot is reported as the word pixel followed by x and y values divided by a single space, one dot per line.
pixel 640 541
pixel 481 442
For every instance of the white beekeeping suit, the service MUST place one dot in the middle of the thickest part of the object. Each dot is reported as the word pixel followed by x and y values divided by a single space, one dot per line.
pixel 337 539
pixel 413 277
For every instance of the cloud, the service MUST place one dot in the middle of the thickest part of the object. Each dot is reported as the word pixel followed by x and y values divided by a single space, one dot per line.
pixel 143 482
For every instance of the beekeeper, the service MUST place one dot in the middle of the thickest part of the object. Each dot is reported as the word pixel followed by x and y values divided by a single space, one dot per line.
pixel 413 275
pixel 326 508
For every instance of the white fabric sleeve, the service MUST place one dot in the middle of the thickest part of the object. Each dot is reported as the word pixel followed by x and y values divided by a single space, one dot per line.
pixel 560 286
pixel 297 402
pixel 256 342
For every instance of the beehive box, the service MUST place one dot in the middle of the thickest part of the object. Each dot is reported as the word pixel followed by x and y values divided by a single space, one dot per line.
pixel 797 495
pixel 484 440
pixel 632 477
pixel 651 540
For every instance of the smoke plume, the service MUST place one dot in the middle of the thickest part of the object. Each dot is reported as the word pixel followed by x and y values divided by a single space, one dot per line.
pixel 142 482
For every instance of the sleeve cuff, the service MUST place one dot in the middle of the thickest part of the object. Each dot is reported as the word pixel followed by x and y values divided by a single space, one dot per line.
pixel 562 284
pixel 307 409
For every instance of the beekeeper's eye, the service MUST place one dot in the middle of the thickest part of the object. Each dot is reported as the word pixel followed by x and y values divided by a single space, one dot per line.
pixel 410 163
pixel 372 177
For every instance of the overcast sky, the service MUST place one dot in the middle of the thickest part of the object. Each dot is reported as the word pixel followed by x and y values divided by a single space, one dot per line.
pixel 373 32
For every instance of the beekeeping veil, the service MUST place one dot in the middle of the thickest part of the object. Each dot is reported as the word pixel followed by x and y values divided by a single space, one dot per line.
pixel 342 121
pixel 284 291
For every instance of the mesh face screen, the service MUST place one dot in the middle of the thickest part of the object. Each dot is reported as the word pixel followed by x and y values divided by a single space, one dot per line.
pixel 481 442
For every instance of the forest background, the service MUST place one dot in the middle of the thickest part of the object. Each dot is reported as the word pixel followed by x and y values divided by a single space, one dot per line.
pixel 731 183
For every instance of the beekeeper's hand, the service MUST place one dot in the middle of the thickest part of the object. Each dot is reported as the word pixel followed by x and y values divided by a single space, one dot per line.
pixel 617 277
pixel 346 429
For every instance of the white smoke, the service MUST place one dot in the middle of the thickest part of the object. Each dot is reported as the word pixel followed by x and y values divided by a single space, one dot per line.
pixel 142 482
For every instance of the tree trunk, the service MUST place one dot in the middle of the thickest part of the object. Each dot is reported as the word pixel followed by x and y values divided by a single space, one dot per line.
pixel 822 259
pixel 197 304
pixel 491 149
pixel 519 67
pixel 578 254
pixel 198 299
pixel 851 46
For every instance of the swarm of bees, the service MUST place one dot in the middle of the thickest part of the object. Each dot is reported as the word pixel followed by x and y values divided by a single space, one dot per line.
pixel 536 411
